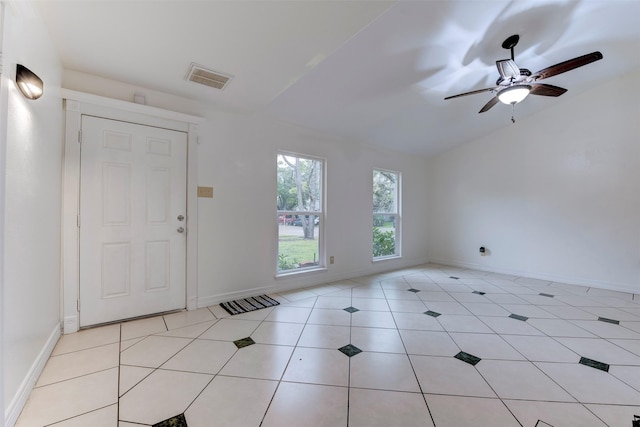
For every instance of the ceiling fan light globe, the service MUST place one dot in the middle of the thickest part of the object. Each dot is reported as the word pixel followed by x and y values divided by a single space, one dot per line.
pixel 514 94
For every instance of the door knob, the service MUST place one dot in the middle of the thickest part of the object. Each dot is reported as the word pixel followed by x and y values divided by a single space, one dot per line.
pixel 180 218
pixel 180 230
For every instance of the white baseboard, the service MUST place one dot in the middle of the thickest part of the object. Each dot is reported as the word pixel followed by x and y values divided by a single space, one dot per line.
pixel 12 412
pixel 289 283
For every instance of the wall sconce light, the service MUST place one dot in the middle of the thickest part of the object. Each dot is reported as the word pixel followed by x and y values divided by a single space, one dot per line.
pixel 28 82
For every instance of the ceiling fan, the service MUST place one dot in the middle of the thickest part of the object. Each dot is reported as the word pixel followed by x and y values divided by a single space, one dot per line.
pixel 514 83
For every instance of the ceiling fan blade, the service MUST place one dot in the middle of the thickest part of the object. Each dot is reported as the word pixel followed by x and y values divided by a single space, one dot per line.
pixel 546 90
pixel 471 93
pixel 489 104
pixel 568 65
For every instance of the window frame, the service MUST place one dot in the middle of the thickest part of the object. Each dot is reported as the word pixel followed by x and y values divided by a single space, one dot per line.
pixel 397 213
pixel 321 213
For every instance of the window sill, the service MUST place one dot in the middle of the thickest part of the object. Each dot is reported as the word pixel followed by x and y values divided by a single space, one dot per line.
pixel 386 258
pixel 300 271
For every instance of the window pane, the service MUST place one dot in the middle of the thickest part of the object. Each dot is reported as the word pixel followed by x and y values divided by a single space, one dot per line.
pixel 299 204
pixel 298 242
pixel 384 191
pixel 386 218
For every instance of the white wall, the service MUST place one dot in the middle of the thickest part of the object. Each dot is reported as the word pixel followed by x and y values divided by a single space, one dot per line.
pixel 555 196
pixel 237 228
pixel 32 198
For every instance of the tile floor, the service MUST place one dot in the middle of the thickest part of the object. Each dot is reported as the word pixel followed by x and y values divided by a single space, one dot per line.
pixel 426 346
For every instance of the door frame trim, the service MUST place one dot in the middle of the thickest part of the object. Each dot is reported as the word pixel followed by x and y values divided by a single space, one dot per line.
pixel 77 104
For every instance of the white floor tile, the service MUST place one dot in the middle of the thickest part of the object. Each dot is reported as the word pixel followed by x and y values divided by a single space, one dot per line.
pixel 225 402
pixel 230 329
pixel 143 327
pixel 553 413
pixel 202 356
pixel 607 330
pixel 325 336
pixel 103 417
pixel 456 323
pixel 130 376
pixel 373 319
pixel 308 405
pixel 600 350
pixel 383 371
pixel 590 385
pixel 615 415
pixel 161 395
pixel 289 314
pixel 559 328
pixel 192 331
pixel 448 375
pixel 318 366
pixel 509 326
pixel 328 316
pixel 541 349
pixel 629 375
pixel 417 321
pixel 521 380
pixel 378 408
pixel 429 343
pixel 260 361
pixel 296 375
pixel 188 318
pixel 377 339
pixel 78 363
pixel 456 411
pixel 278 333
pixel 407 306
pixel 153 351
pixel 486 346
pixel 370 304
pixel 87 338
pixel 61 401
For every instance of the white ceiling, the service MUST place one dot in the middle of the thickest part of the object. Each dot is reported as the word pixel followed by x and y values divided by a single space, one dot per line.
pixel 374 71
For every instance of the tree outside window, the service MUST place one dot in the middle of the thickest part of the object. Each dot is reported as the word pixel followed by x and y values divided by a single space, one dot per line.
pixel 386 214
pixel 300 212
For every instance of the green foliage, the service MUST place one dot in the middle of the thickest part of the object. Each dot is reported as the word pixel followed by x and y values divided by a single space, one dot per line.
pixel 384 243
pixel 284 263
pixel 384 191
pixel 294 250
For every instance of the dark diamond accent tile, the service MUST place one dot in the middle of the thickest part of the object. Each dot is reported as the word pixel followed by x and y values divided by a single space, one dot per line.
pixel 415 291
pixel 518 317
pixel 469 358
pixel 479 293
pixel 432 313
pixel 177 421
pixel 350 350
pixel 594 364
pixel 454 277
pixel 244 342
pixel 351 309
pixel 546 295
pixel 636 421
pixel 604 319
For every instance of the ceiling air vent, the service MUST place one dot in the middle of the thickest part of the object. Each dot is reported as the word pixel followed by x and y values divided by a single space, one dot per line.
pixel 214 79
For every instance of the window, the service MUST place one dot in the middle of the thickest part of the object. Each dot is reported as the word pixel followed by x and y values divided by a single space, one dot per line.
pixel 300 205
pixel 386 214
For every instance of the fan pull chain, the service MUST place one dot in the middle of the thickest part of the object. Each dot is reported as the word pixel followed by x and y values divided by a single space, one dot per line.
pixel 513 112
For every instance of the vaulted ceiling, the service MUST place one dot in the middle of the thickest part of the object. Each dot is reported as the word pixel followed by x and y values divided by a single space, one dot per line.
pixel 374 71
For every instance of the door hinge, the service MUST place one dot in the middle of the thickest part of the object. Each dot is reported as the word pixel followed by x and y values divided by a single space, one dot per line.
pixel 78 220
pixel 80 136
pixel 78 304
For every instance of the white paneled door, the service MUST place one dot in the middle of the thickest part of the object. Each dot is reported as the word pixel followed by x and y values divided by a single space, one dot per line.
pixel 132 220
